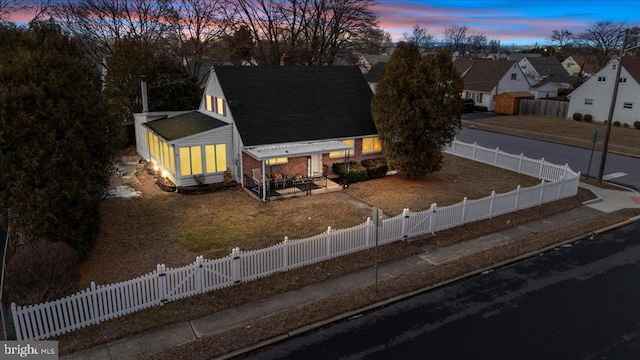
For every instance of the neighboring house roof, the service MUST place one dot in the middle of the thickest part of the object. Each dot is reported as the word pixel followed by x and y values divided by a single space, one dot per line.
pixel 587 63
pixel 374 75
pixel 546 66
pixel 282 104
pixel 632 65
pixel 184 125
pixel 562 79
pixel 482 74
pixel 518 57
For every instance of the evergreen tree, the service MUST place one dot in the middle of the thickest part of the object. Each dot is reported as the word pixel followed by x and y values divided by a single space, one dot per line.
pixel 170 87
pixel 417 109
pixel 56 144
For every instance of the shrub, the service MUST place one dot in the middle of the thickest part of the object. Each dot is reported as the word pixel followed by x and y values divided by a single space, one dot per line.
pixel 42 271
pixel 636 124
pixel 376 168
pixel 577 116
pixel 350 172
pixel 587 118
pixel 616 123
pixel 625 125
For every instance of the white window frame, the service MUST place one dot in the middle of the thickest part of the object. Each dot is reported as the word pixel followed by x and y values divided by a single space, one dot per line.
pixel 588 101
pixel 627 105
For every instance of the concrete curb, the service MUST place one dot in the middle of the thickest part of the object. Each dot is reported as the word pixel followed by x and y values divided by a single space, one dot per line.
pixel 397 298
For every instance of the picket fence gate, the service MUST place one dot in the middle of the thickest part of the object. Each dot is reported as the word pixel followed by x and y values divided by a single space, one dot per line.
pixel 99 303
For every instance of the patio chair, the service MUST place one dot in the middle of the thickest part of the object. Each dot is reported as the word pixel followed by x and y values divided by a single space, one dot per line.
pixel 257 177
pixel 279 180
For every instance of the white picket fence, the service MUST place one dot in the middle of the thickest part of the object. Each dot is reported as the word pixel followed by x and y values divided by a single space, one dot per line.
pixel 103 302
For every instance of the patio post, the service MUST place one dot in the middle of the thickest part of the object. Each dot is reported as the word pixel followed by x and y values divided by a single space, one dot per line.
pixel 264 178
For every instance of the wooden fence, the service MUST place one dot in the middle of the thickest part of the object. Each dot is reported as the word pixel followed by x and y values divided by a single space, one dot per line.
pixel 541 107
pixel 103 302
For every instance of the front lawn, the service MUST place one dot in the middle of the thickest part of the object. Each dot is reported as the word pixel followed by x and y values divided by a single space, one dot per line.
pixel 137 234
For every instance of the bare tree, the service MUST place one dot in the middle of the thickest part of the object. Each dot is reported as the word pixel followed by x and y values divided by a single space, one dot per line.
pixel 478 41
pixel 376 40
pixel 602 38
pixel 307 31
pixel 419 37
pixel 100 23
pixel 456 37
pixel 195 25
pixel 563 37
pixel 8 7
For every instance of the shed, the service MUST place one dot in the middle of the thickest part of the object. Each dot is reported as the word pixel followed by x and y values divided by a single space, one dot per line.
pixel 509 102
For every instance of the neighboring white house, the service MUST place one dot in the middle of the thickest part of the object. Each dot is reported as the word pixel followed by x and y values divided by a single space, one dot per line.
pixel 594 96
pixel 484 79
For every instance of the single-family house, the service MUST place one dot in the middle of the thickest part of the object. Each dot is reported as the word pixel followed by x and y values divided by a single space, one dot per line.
pixel 538 68
pixel 519 56
pixel 574 64
pixel 484 79
pixel 264 123
pixel 594 95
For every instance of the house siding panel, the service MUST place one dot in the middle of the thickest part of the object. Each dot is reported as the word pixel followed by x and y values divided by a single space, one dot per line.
pixel 601 94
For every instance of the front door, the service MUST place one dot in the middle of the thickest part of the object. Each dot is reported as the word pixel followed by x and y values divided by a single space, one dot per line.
pixel 315 166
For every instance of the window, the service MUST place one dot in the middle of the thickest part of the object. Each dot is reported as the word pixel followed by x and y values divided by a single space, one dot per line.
pixel 628 105
pixel 514 76
pixel 190 160
pixel 275 161
pixel 220 107
pixel 602 78
pixel 337 154
pixel 477 97
pixel 623 80
pixel 588 101
pixel 209 102
pixel 216 157
pixel 371 145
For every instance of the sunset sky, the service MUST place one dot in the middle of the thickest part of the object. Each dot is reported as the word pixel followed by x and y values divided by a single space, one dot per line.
pixel 510 21
pixel 522 22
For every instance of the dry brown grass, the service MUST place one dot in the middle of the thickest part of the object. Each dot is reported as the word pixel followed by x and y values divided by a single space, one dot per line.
pixel 137 234
pixel 458 178
pixel 566 131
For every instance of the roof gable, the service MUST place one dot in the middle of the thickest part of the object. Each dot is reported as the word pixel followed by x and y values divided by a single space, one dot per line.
pixel 184 125
pixel 281 104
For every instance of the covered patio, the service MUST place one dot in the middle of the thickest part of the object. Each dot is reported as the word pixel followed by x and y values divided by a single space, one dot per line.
pixel 290 169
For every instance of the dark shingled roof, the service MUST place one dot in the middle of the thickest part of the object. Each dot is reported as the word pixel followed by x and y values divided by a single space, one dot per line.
pixel 482 74
pixel 632 65
pixel 374 75
pixel 546 66
pixel 184 125
pixel 280 104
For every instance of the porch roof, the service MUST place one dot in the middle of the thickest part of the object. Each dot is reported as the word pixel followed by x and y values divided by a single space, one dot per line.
pixel 184 125
pixel 296 149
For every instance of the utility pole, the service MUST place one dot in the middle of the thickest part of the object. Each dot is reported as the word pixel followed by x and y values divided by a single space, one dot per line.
pixel 616 84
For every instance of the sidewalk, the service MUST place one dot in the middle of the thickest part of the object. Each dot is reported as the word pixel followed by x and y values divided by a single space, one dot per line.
pixel 185 332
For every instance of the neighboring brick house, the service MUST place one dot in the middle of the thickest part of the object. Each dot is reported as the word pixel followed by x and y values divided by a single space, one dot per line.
pixel 298 119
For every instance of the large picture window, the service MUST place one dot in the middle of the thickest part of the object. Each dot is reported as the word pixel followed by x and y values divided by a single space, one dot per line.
pixel 216 158
pixel 371 145
pixel 191 162
pixel 339 154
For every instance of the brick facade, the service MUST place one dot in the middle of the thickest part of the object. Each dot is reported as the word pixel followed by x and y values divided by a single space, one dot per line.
pixel 298 165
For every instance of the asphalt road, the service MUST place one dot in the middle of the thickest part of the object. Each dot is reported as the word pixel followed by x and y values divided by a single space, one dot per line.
pixel 577 158
pixel 580 301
